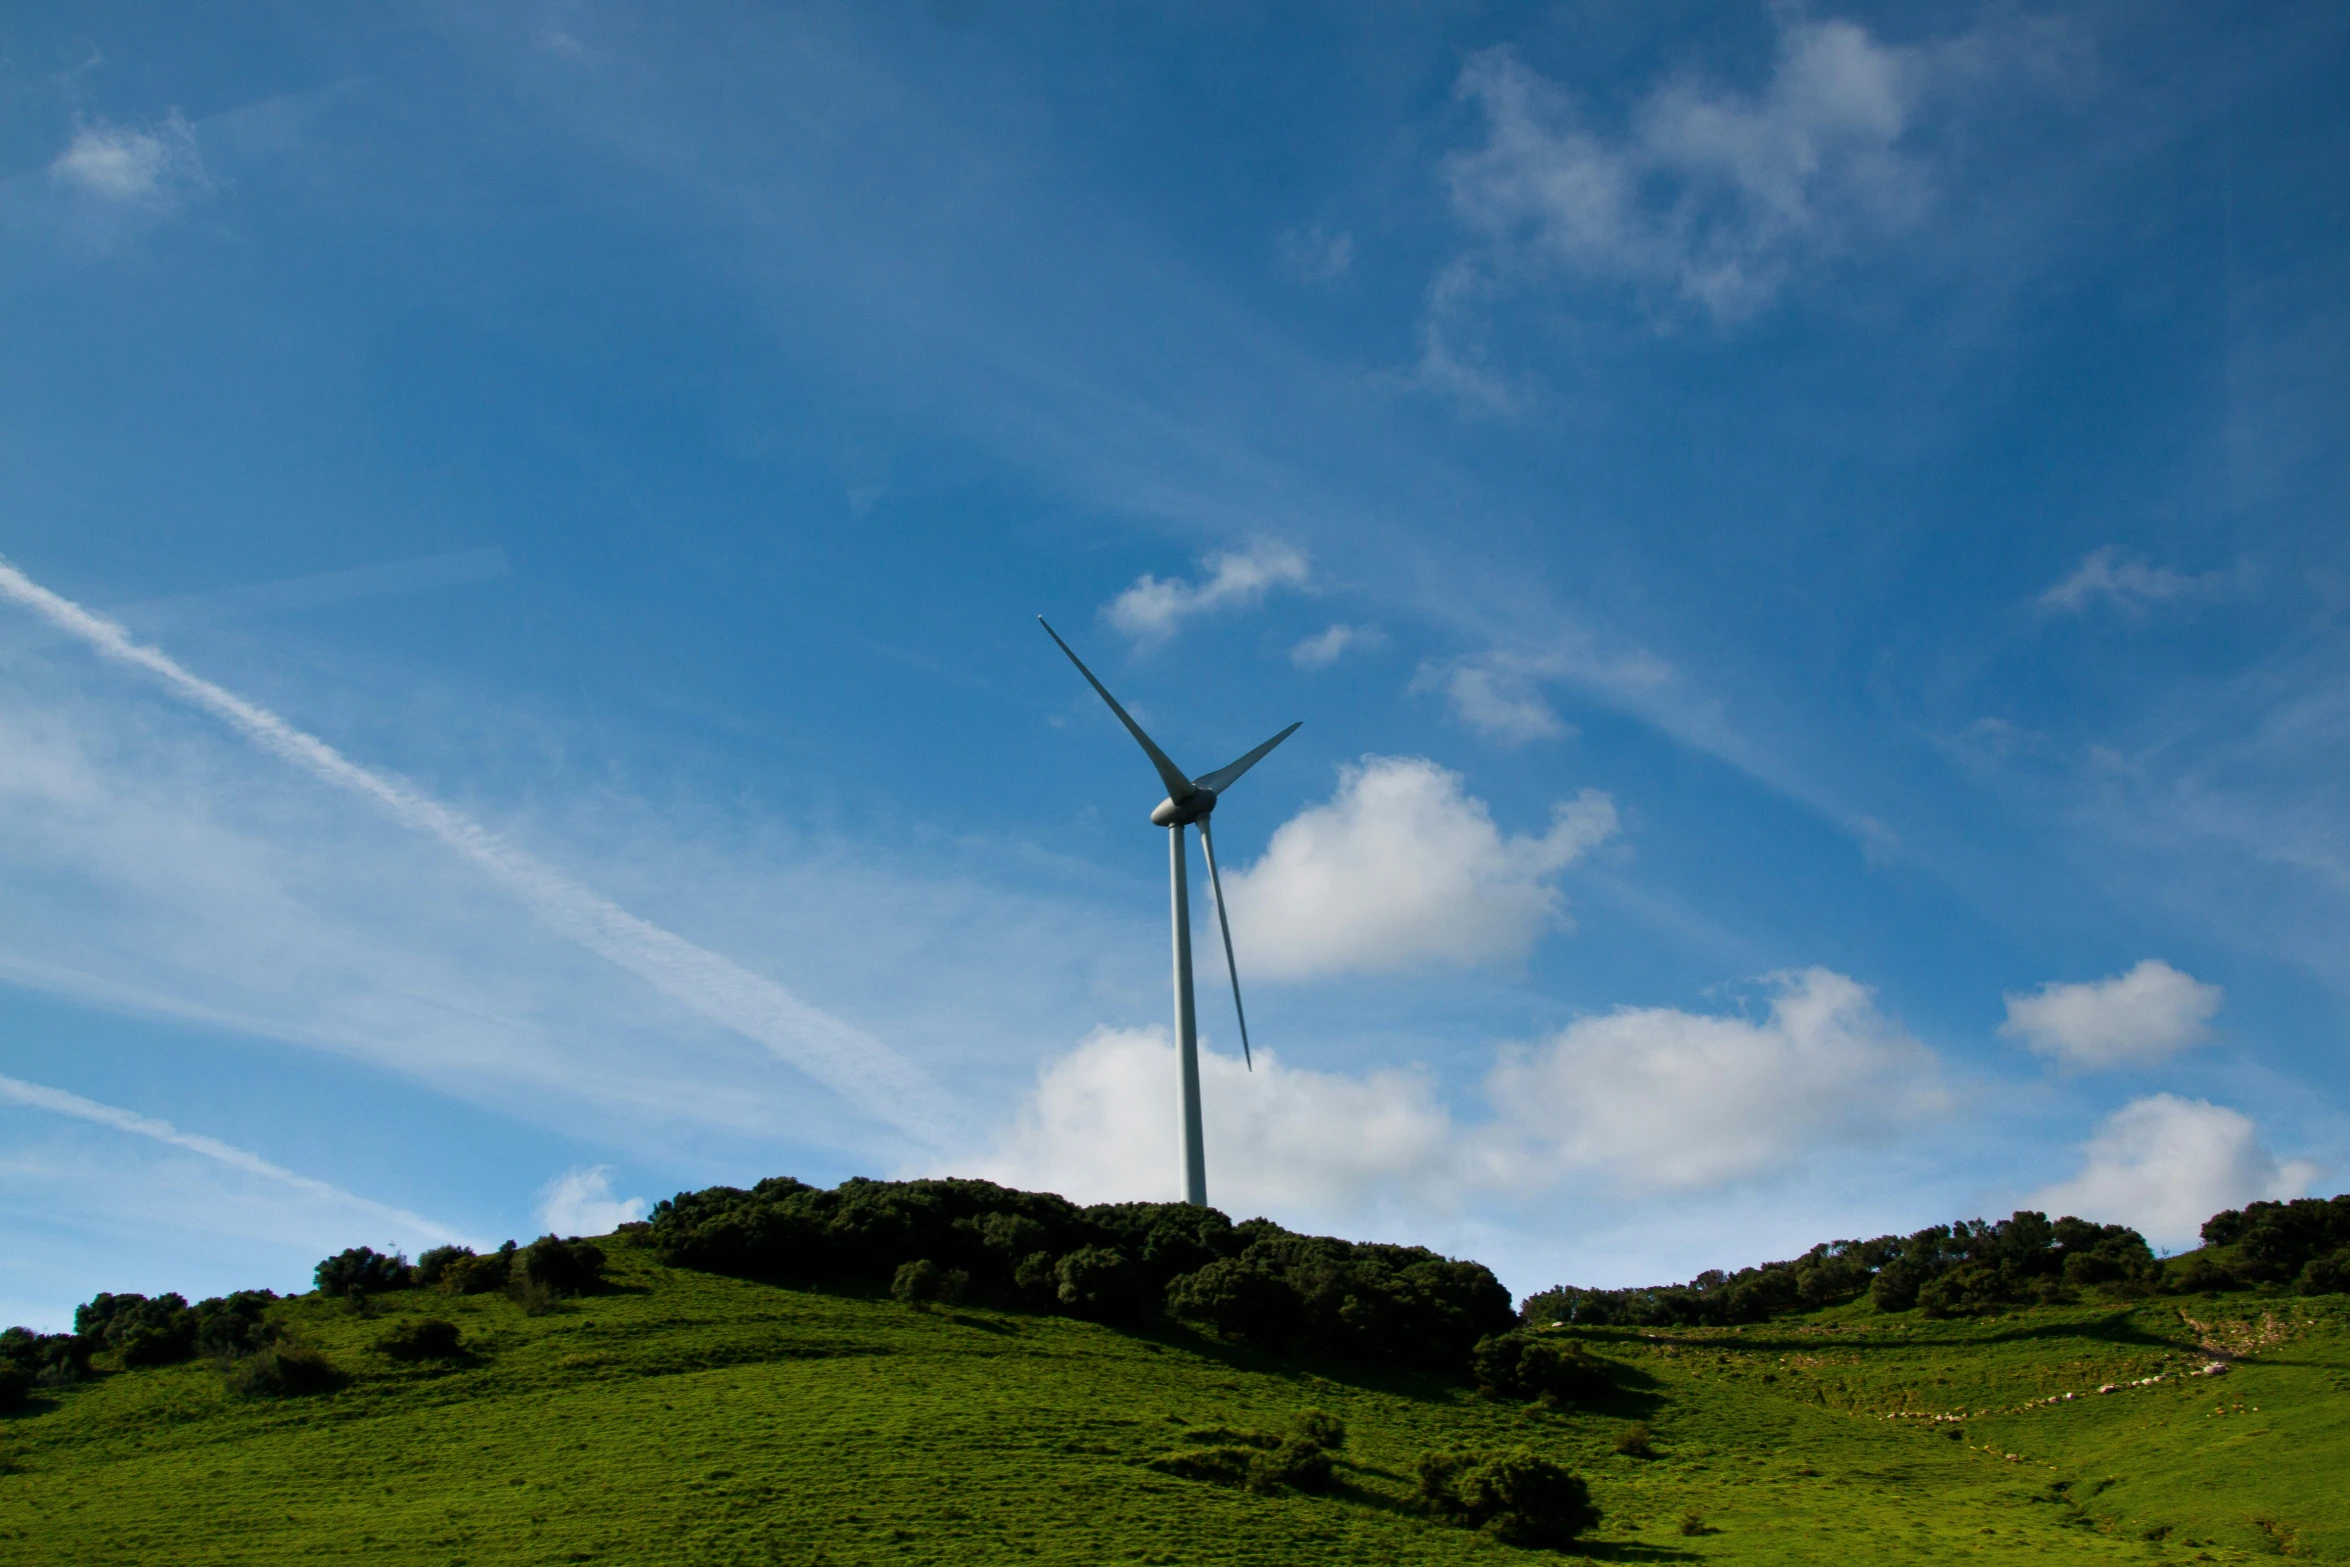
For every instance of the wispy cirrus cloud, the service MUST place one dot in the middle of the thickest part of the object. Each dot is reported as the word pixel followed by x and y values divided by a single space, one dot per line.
pixel 1155 608
pixel 2132 584
pixel 58 1102
pixel 835 1053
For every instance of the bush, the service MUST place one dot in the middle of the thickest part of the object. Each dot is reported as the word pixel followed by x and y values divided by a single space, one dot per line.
pixel 1636 1441
pixel 1325 1431
pixel 50 1359
pixel 2023 1257
pixel 285 1371
pixel 564 1267
pixel 1299 1461
pixel 434 1265
pixel 1517 1496
pixel 2328 1275
pixel 143 1332
pixel 363 1269
pixel 2197 1273
pixel 1255 1282
pixel 484 1275
pixel 1240 1301
pixel 1098 1282
pixel 232 1325
pixel 16 1386
pixel 1524 1365
pixel 430 1339
pixel 920 1282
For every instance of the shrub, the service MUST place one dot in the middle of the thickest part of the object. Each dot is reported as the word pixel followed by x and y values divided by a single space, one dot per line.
pixel 364 1269
pixel 1636 1441
pixel 1241 1301
pixel 1227 1463
pixel 920 1282
pixel 50 1359
pixel 2197 1273
pixel 1114 1261
pixel 434 1265
pixel 484 1275
pixel 1299 1461
pixel 1324 1430
pixel 285 1371
pixel 1524 1365
pixel 1517 1496
pixel 232 1325
pixel 1693 1522
pixel 565 1267
pixel 430 1339
pixel 16 1385
pixel 144 1332
pixel 1098 1282
pixel 2329 1275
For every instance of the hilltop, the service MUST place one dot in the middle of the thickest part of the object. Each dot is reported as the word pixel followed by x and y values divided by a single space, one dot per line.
pixel 652 1412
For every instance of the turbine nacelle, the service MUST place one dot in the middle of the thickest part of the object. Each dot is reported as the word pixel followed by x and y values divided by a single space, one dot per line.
pixel 1183 812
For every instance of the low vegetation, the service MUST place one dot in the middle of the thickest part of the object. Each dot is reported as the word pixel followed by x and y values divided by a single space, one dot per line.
pixel 608 1403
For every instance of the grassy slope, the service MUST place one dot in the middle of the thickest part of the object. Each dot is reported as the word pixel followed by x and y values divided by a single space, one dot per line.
pixel 696 1419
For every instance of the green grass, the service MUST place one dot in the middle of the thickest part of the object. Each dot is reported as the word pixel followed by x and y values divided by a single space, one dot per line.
pixel 686 1418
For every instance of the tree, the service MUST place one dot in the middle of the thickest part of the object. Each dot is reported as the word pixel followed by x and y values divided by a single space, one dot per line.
pixel 362 1269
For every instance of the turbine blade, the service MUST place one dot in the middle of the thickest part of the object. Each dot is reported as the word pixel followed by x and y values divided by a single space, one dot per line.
pixel 1178 786
pixel 1207 841
pixel 1226 776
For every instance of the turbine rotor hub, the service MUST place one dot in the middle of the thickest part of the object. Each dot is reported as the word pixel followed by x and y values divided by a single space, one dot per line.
pixel 1193 806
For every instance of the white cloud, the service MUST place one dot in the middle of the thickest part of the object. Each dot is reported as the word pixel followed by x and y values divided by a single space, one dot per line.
pixel 1668 1100
pixel 1498 696
pixel 2132 1019
pixel 1325 648
pixel 580 1202
pixel 1402 868
pixel 1314 254
pixel 1709 196
pixel 2164 1164
pixel 1643 1100
pixel 1103 1124
pixel 116 163
pixel 1154 609
pixel 2133 584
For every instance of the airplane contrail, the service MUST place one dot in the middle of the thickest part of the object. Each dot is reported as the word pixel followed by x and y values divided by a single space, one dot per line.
pixel 837 1054
pixel 63 1103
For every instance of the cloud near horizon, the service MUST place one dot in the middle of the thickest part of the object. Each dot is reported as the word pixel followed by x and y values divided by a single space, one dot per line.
pixel 1403 868
pixel 1155 608
pixel 580 1202
pixel 2133 1019
pixel 1643 1100
pixel 2164 1164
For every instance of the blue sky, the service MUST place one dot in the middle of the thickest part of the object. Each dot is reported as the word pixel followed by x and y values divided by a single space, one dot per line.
pixel 1807 543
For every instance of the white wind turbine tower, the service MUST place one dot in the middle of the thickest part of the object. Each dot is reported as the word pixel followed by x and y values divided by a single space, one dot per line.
pixel 1188 800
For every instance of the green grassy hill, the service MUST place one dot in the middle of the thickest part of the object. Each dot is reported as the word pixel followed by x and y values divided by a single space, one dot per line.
pixel 689 1418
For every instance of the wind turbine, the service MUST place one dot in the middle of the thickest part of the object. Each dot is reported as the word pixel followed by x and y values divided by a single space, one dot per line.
pixel 1188 800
